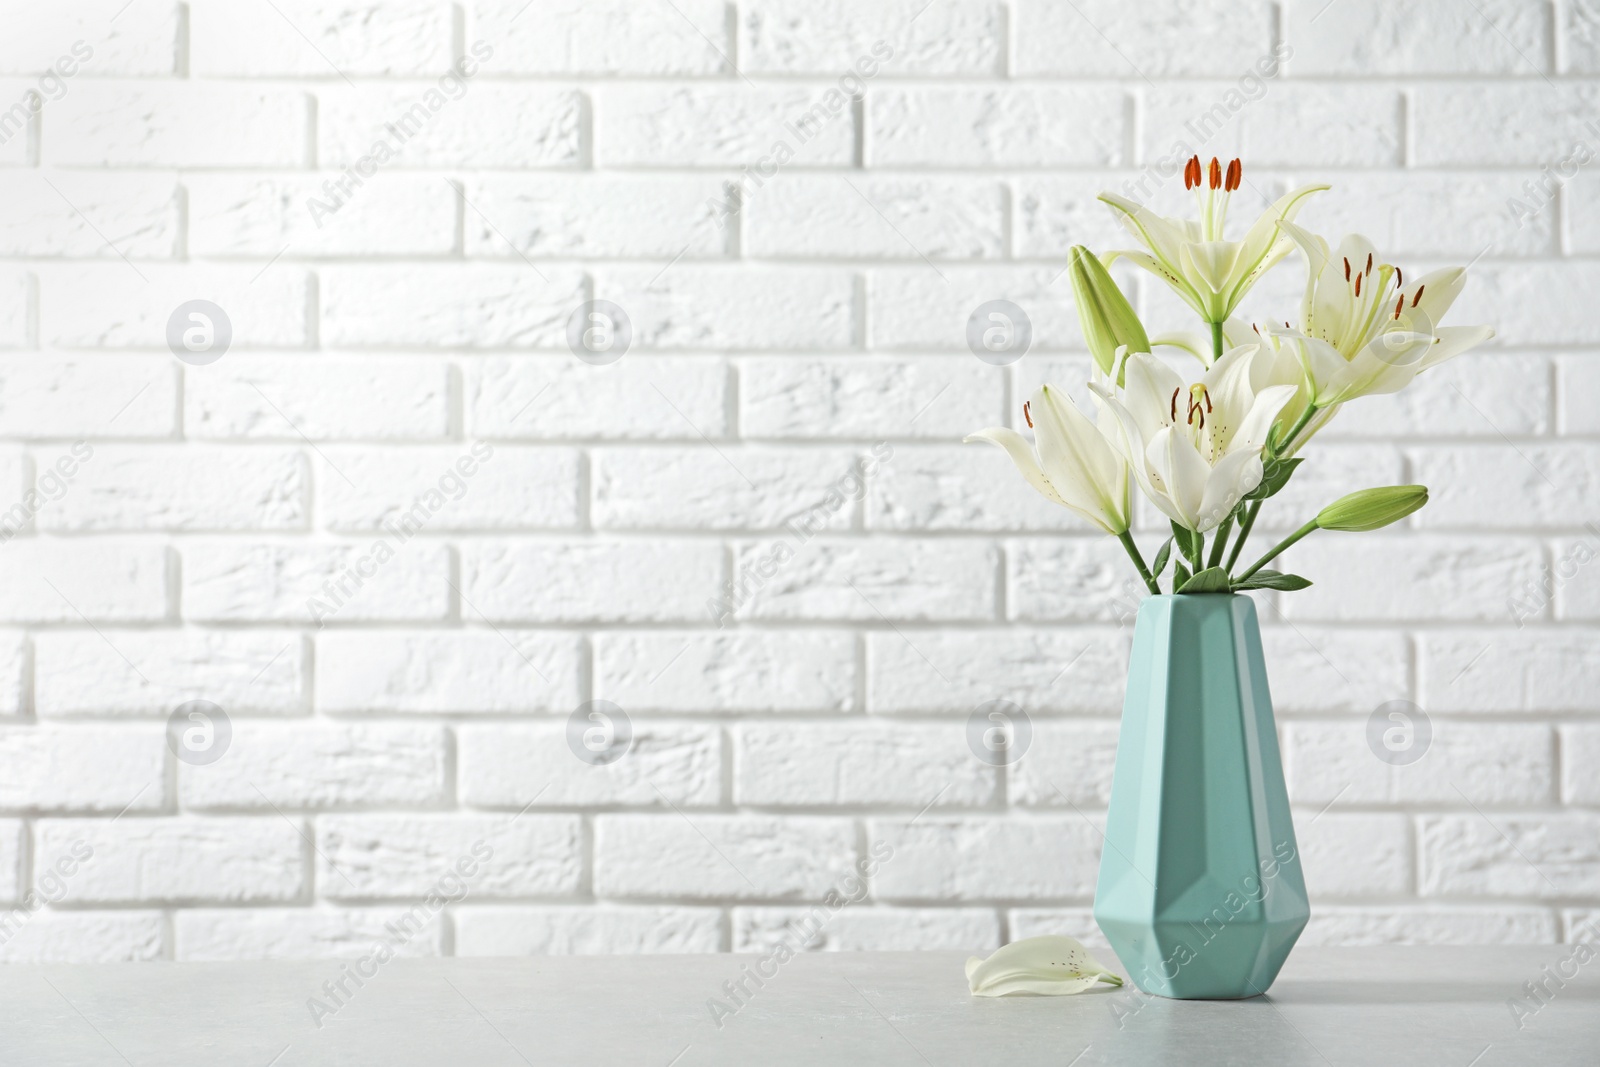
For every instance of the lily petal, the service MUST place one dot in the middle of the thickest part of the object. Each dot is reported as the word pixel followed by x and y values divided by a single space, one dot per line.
pixel 1454 340
pixel 1051 966
pixel 1020 450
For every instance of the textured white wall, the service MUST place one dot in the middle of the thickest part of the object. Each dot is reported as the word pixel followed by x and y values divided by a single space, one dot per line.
pixel 227 532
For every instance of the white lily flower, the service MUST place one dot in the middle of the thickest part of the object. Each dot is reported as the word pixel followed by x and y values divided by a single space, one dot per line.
pixel 1072 461
pixel 1051 966
pixel 1195 449
pixel 1210 273
pixel 1363 331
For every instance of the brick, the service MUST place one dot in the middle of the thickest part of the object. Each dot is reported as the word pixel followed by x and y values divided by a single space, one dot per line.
pixel 1452 400
pixel 944 859
pixel 1422 576
pixel 177 124
pixel 957 671
pixel 184 487
pixel 458 305
pixel 283 767
pixel 962 487
pixel 717 856
pixel 113 305
pixel 1537 303
pixel 1574 584
pixel 1580 745
pixel 1280 125
pixel 1371 38
pixel 1538 670
pixel 871 398
pixel 1078 579
pixel 257 215
pixel 588 930
pixel 1581 924
pixel 12 835
pixel 73 581
pixel 916 308
pixel 927 580
pixel 1053 212
pixel 665 763
pixel 1067 764
pixel 18 319
pixel 215 934
pixel 151 672
pixel 1075 922
pixel 860 764
pixel 1579 376
pixel 378 856
pixel 233 581
pixel 82 769
pixel 14 672
pixel 827 216
pixel 722 126
pixel 1582 195
pixel 590 216
pixel 604 37
pixel 1329 669
pixel 748 671
pixel 1535 484
pixel 1099 37
pixel 1456 214
pixel 838 38
pixel 1436 925
pixel 91 215
pixel 863 928
pixel 86 937
pixel 574 581
pixel 1355 855
pixel 555 397
pixel 314 38
pixel 481 124
pixel 113 40
pixel 86 396
pixel 734 488
pixel 179 859
pixel 446 671
pixel 1010 126
pixel 400 491
pixel 1494 763
pixel 1527 123
pixel 1580 39
pixel 1545 855
pixel 296 398
pixel 709 308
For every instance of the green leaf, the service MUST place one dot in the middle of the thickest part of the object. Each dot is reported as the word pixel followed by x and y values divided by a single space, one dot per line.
pixel 1275 475
pixel 1161 558
pixel 1180 574
pixel 1265 579
pixel 1210 580
pixel 1185 538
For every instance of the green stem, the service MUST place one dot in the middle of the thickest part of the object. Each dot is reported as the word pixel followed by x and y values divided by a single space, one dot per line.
pixel 1216 341
pixel 1244 532
pixel 1221 541
pixel 1138 561
pixel 1300 424
pixel 1278 548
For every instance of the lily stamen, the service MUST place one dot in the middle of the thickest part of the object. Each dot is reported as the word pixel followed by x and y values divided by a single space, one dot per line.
pixel 1026 415
pixel 1418 296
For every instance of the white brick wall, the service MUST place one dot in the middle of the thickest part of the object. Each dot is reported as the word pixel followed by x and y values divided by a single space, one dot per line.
pixel 399 534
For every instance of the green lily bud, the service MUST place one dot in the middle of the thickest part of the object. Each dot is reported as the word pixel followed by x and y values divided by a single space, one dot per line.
pixel 1104 313
pixel 1370 509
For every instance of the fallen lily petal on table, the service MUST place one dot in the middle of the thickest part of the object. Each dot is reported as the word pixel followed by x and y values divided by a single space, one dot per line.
pixel 1051 966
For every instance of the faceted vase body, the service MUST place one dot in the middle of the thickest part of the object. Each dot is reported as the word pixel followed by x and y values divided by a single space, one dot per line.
pixel 1200 891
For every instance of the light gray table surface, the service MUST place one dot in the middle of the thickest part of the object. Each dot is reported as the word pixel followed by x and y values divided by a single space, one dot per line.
pixel 1361 1006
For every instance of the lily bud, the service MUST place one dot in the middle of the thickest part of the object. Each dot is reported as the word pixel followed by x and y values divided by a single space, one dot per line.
pixel 1107 318
pixel 1370 509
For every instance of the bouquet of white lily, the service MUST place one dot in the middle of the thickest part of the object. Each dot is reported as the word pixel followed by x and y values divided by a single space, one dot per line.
pixel 1209 448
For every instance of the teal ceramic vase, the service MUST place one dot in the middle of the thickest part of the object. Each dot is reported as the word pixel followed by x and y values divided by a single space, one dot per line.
pixel 1200 890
